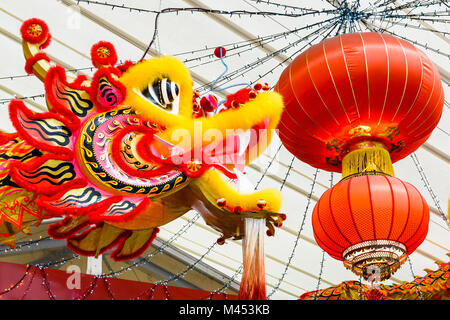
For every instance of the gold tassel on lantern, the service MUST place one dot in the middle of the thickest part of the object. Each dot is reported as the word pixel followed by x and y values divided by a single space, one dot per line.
pixel 367 157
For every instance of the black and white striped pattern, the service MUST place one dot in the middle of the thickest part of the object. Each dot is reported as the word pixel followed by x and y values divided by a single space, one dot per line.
pixel 162 92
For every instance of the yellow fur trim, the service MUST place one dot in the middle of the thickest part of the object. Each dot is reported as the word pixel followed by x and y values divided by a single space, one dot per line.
pixel 138 77
pixel 214 187
pixel 267 105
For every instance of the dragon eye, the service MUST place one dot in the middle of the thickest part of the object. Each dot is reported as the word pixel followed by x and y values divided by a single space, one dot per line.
pixel 163 93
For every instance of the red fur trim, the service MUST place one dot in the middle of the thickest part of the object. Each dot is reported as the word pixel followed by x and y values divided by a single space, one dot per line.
pixel 140 149
pixel 125 234
pixel 125 66
pixel 106 73
pixel 31 39
pixel 239 97
pixel 18 105
pixel 51 230
pixel 6 137
pixel 79 80
pixel 59 73
pixel 99 61
pixel 47 42
pixel 126 217
pixel 32 60
pixel 135 254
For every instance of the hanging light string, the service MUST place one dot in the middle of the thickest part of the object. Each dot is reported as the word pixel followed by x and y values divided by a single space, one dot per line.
pixel 182 230
pixel 283 275
pixel 284 6
pixel 425 46
pixel 257 42
pixel 280 64
pixel 305 11
pixel 323 252
pixel 427 185
pixel 419 27
pixel 320 275
pixel 291 164
pixel 181 274
pixel 418 291
pixel 25 244
pixel 260 61
pixel 268 166
pixel 18 283
pixel 227 284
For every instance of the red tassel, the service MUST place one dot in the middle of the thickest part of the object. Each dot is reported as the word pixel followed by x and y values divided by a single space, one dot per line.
pixel 253 283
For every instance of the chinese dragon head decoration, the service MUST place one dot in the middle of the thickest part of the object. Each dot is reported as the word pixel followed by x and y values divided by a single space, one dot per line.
pixel 130 150
pixel 355 104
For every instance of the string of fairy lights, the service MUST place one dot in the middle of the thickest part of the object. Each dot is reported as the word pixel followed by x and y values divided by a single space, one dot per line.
pixel 347 16
pixel 296 241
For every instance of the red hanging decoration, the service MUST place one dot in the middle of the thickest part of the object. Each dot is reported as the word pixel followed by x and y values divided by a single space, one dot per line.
pixel 371 222
pixel 355 104
pixel 358 86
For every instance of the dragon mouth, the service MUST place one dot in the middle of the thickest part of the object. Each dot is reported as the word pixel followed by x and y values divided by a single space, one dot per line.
pixel 229 153
pixel 163 94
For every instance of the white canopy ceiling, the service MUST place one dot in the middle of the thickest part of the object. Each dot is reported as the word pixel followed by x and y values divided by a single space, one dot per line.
pixel 192 36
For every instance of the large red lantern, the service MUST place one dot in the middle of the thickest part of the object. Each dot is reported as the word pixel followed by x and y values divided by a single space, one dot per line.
pixel 355 104
pixel 358 87
pixel 371 222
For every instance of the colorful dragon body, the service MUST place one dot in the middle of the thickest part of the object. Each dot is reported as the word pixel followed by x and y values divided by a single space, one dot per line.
pixel 435 285
pixel 125 152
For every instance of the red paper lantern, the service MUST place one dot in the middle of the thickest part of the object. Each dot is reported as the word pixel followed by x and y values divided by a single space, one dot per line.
pixel 371 222
pixel 358 87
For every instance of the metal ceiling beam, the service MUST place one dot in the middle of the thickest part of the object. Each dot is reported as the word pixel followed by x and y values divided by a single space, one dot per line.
pixel 45 244
pixel 20 96
pixel 200 266
pixel 152 269
pixel 18 40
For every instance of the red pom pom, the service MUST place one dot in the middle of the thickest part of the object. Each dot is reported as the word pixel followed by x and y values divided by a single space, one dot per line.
pixel 218 53
pixel 257 86
pixel 34 31
pixel 235 99
pixel 125 66
pixel 103 54
pixel 221 202
pixel 47 42
pixel 269 233
pixel 206 105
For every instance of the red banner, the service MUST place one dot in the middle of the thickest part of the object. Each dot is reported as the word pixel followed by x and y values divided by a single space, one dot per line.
pixel 21 282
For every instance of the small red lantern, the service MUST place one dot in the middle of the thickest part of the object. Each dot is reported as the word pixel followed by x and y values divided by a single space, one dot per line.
pixel 371 222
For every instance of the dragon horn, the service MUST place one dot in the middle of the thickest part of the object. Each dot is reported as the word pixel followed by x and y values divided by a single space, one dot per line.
pixel 35 37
